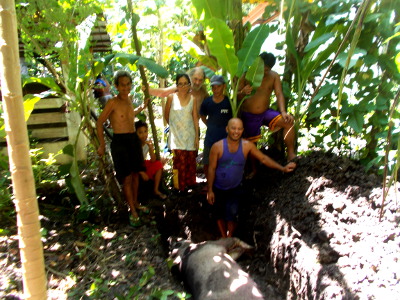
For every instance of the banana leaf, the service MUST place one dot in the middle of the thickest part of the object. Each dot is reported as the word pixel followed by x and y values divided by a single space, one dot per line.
pixel 207 9
pixel 255 73
pixel 251 48
pixel 314 44
pixel 46 81
pixel 126 58
pixel 153 67
pixel 220 42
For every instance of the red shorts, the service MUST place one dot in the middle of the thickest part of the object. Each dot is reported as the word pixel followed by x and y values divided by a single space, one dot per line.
pixel 152 168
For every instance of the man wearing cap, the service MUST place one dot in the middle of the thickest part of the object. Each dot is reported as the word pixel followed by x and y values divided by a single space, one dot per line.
pixel 215 112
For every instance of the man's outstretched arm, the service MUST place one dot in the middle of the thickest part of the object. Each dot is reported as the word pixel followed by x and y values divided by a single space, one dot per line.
pixel 162 92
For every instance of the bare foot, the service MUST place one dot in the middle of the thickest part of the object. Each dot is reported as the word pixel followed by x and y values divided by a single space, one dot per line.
pixel 143 209
pixel 134 214
pixel 160 195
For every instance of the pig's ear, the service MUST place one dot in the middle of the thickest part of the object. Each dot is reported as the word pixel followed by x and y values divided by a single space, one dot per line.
pixel 237 247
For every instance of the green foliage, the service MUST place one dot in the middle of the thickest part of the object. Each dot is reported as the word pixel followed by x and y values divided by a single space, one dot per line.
pixel 255 73
pixel 56 35
pixel 251 46
pixel 74 178
pixel 339 46
pixel 44 169
pixel 29 103
pixel 46 81
pixel 220 40
pixel 126 58
pixel 343 52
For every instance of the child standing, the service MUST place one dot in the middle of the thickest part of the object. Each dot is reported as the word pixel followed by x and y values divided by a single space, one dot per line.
pixel 154 167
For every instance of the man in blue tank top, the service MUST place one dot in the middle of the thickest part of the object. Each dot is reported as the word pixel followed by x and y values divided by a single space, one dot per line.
pixel 225 173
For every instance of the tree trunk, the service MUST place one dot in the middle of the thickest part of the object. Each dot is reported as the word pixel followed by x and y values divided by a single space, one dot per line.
pixel 235 13
pixel 136 46
pixel 31 249
pixel 162 81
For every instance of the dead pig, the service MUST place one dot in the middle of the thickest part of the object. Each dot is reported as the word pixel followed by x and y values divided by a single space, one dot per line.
pixel 210 271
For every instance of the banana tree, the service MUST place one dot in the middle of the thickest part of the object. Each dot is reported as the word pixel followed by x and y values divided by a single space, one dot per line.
pixel 220 41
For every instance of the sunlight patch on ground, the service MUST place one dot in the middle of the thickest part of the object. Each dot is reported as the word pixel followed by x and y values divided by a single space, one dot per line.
pixel 115 273
pixel 55 247
pixel 108 235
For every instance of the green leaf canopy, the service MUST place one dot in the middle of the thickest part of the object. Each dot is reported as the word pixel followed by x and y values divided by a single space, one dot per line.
pixel 220 42
pixel 125 58
pixel 251 48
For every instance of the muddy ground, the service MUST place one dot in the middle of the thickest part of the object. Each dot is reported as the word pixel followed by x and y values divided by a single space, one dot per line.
pixel 316 234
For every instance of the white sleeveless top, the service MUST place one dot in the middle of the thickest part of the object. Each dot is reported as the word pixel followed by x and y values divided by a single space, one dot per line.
pixel 182 131
pixel 145 149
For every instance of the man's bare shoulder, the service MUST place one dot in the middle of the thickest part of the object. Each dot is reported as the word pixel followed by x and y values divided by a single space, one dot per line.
pixel 110 103
pixel 247 145
pixel 204 92
pixel 270 76
pixel 217 146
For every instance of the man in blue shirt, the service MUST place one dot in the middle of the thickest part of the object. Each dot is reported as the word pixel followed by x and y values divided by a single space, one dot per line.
pixel 215 112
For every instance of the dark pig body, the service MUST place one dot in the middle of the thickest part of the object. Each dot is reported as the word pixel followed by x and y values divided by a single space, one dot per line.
pixel 210 271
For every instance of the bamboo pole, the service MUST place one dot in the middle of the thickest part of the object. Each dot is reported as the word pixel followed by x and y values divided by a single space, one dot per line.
pixel 26 206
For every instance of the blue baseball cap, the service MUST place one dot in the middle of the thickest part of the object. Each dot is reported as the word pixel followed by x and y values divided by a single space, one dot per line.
pixel 217 80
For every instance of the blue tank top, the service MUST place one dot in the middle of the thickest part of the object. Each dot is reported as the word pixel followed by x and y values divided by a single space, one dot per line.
pixel 230 168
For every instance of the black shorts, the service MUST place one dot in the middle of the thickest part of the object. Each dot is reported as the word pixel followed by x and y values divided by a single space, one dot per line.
pixel 127 155
pixel 227 203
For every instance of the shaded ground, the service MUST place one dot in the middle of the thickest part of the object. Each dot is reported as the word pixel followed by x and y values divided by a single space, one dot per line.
pixel 316 232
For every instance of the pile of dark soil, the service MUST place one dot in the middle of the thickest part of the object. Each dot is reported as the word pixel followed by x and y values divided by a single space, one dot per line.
pixel 316 234
pixel 317 231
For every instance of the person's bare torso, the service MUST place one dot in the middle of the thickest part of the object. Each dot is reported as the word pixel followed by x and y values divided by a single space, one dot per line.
pixel 122 116
pixel 260 101
pixel 199 95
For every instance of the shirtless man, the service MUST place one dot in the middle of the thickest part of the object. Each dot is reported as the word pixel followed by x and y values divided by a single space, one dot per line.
pixel 126 149
pixel 225 173
pixel 198 90
pixel 256 111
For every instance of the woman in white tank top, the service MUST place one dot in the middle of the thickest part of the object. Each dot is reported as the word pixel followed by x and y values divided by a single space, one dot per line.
pixel 182 117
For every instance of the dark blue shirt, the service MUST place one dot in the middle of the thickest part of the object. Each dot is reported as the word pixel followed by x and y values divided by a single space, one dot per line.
pixel 218 115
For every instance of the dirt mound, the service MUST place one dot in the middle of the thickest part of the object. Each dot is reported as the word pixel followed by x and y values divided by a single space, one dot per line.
pixel 317 231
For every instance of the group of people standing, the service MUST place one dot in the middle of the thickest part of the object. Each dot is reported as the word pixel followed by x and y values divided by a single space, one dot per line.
pixel 225 151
